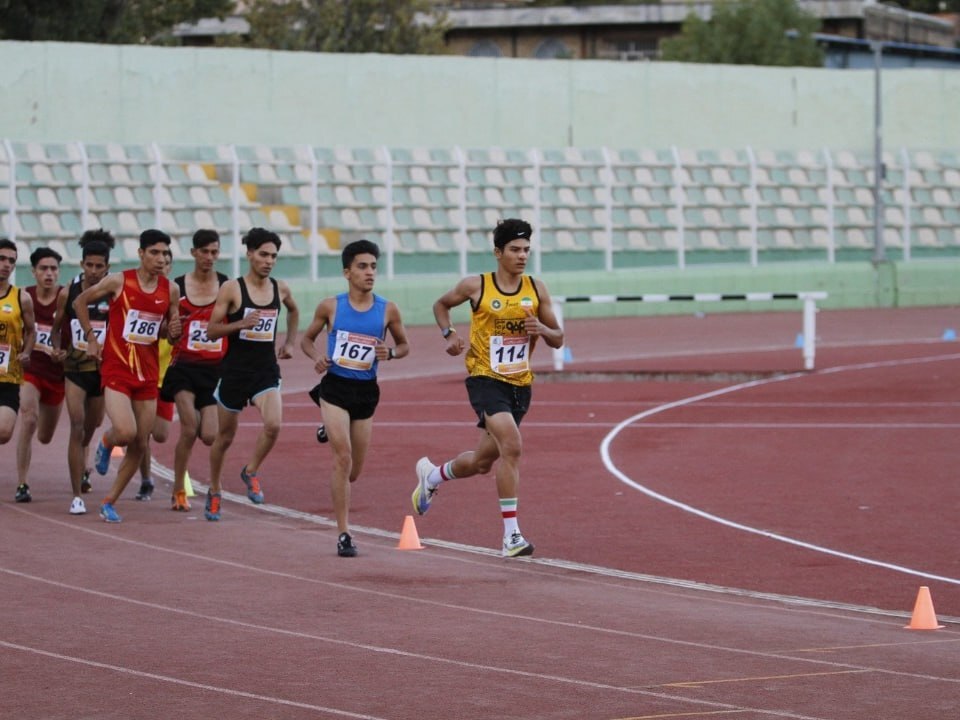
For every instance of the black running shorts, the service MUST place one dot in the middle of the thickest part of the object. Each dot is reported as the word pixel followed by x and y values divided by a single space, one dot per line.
pixel 235 391
pixel 10 396
pixel 89 382
pixel 489 396
pixel 201 380
pixel 358 397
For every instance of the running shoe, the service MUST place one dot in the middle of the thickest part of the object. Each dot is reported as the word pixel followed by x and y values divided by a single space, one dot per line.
pixel 515 546
pixel 23 493
pixel 146 489
pixel 108 513
pixel 253 486
pixel 85 485
pixel 101 459
pixel 322 434
pixel 422 493
pixel 211 510
pixel 77 507
pixel 178 501
pixel 345 546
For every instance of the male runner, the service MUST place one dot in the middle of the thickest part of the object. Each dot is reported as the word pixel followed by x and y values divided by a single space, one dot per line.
pixel 511 311
pixel 247 310
pixel 17 336
pixel 194 369
pixel 41 395
pixel 164 417
pixel 356 323
pixel 143 306
pixel 82 386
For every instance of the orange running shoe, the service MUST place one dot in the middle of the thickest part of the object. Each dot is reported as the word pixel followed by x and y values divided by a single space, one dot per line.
pixel 252 481
pixel 212 509
pixel 179 502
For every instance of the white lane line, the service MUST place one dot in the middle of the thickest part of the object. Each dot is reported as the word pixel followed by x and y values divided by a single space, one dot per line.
pixel 624 478
pixel 185 683
pixel 797 426
pixel 586 684
pixel 574 424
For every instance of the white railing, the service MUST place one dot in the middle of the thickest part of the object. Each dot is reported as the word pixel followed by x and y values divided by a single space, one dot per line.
pixel 466 216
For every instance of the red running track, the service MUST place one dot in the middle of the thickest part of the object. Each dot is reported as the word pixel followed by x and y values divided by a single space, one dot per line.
pixel 637 604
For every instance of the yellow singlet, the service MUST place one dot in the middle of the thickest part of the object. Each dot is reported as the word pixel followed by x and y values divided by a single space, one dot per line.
pixel 499 346
pixel 11 337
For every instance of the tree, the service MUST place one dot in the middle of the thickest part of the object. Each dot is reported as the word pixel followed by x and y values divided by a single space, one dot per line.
pixel 103 21
pixel 751 32
pixel 356 26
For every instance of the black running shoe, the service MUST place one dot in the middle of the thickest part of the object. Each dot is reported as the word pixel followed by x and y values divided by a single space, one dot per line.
pixel 322 434
pixel 345 546
pixel 146 489
pixel 23 495
pixel 85 485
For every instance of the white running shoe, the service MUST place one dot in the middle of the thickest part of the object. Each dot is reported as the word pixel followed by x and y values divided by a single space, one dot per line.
pixel 77 507
pixel 515 546
pixel 422 494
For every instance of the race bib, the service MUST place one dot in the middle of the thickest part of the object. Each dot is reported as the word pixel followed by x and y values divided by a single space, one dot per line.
pixel 265 329
pixel 141 328
pixel 355 351
pixel 44 341
pixel 197 339
pixel 509 354
pixel 4 358
pixel 99 328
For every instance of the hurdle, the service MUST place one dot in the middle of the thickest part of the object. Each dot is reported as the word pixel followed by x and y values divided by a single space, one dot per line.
pixel 809 299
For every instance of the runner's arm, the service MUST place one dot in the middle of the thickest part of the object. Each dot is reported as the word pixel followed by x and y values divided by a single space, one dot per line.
pixel 401 348
pixel 29 328
pixel 293 321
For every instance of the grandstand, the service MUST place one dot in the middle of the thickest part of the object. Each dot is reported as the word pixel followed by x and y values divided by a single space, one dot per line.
pixel 432 208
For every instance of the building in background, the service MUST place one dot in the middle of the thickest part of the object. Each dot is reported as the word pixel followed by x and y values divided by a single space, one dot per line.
pixel 634 32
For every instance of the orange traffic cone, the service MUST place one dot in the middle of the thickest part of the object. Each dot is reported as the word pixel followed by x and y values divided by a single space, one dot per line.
pixel 409 540
pixel 924 618
pixel 116 452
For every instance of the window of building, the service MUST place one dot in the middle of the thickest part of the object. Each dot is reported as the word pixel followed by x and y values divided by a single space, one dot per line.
pixel 485 48
pixel 551 49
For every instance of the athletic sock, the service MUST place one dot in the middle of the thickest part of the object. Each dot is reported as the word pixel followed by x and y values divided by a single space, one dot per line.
pixel 440 474
pixel 508 510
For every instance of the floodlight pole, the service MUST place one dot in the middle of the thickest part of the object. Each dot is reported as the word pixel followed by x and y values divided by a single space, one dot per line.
pixel 879 251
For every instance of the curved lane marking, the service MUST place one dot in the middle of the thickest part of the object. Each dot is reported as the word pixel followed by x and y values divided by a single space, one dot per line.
pixel 624 478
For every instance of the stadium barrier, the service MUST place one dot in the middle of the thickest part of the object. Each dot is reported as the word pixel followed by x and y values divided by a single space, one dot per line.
pixel 809 299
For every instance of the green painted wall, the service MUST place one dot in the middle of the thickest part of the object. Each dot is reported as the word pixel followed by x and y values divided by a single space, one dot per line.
pixel 59 92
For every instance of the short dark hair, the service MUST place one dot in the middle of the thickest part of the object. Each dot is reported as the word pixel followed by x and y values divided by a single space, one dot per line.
pixel 100 235
pixel 510 229
pixel 7 244
pixel 96 247
pixel 204 237
pixel 358 247
pixel 153 237
pixel 257 236
pixel 42 253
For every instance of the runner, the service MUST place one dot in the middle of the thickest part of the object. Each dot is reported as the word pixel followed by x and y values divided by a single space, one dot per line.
pixel 248 310
pixel 510 312
pixel 164 416
pixel 143 306
pixel 356 323
pixel 41 395
pixel 194 369
pixel 82 386
pixel 17 336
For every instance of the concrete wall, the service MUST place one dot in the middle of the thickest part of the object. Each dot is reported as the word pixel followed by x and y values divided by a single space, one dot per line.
pixel 129 94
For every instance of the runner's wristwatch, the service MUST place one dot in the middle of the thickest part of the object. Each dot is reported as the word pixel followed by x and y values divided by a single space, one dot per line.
pixel 448 332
